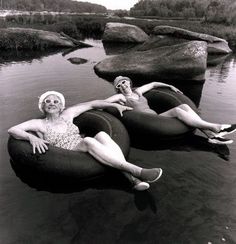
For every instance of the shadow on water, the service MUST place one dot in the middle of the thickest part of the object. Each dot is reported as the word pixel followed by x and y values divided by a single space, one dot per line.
pixel 26 55
pixel 56 184
pixel 200 143
pixel 52 182
pixel 192 90
pixel 213 60
pixel 43 181
pixel 144 200
pixel 189 143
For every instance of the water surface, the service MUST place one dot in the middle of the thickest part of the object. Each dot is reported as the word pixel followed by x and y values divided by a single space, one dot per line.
pixel 194 201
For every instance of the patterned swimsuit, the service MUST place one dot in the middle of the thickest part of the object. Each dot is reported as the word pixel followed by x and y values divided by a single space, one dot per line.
pixel 70 139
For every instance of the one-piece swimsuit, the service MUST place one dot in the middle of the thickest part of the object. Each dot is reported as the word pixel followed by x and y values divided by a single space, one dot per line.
pixel 140 104
pixel 70 139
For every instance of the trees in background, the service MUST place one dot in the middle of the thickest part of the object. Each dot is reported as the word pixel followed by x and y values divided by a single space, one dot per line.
pixel 170 8
pixel 221 11
pixel 52 5
pixel 217 11
pixel 214 11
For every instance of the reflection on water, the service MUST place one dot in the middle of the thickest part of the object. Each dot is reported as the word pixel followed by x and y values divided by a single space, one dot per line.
pixel 213 60
pixel 224 67
pixel 195 197
pixel 24 55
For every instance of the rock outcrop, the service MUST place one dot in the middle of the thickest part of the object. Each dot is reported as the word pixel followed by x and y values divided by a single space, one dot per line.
pixel 215 45
pixel 76 60
pixel 27 38
pixel 119 32
pixel 185 61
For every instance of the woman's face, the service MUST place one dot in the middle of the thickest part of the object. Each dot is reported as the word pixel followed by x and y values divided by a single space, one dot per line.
pixel 124 87
pixel 52 104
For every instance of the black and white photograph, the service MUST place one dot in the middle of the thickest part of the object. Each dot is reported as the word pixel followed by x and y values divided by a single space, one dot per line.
pixel 117 122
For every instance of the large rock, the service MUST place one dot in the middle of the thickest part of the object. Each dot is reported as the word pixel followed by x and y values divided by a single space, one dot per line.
pixel 119 32
pixel 185 61
pixel 156 41
pixel 215 45
pixel 23 38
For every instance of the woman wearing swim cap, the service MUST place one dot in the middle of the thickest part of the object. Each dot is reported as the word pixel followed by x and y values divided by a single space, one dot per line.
pixel 134 98
pixel 57 129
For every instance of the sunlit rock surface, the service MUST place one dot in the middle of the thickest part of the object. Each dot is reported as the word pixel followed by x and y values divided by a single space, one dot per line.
pixel 119 32
pixel 185 61
pixel 215 45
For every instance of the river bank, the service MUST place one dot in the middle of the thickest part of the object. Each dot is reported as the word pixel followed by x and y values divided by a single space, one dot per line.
pixel 80 26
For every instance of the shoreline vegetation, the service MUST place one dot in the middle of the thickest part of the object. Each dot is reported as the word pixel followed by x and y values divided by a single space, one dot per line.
pixel 80 26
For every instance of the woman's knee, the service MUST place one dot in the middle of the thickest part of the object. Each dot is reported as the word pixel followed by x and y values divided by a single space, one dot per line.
pixel 184 106
pixel 178 112
pixel 102 135
pixel 89 142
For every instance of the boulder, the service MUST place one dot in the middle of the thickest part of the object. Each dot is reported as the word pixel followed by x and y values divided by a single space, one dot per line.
pixel 213 58
pixel 27 38
pixel 185 61
pixel 215 45
pixel 119 32
pixel 75 60
pixel 156 41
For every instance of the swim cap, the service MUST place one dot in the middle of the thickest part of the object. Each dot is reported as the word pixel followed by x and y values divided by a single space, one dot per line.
pixel 120 78
pixel 48 93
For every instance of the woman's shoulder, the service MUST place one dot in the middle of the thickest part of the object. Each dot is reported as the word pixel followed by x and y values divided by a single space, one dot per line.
pixel 67 115
pixel 137 91
pixel 40 123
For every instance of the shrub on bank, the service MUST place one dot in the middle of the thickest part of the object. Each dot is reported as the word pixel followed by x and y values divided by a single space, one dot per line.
pixel 78 26
pixel 68 28
pixel 19 41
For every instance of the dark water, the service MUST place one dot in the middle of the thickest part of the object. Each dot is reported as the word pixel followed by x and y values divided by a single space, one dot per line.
pixel 194 202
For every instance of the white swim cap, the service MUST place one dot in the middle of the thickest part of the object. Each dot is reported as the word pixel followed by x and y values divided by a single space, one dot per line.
pixel 119 79
pixel 48 93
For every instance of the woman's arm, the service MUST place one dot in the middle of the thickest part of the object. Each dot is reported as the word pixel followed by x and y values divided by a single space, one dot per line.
pixel 78 109
pixel 152 85
pixel 21 132
pixel 117 98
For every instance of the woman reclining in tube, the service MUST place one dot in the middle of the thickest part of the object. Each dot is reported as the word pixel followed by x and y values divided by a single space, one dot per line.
pixel 57 129
pixel 134 98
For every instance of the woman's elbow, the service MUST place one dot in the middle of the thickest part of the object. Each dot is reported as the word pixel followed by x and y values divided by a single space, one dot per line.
pixel 12 131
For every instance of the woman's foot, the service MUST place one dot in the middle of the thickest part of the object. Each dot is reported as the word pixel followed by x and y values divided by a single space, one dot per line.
pixel 139 185
pixel 219 140
pixel 150 175
pixel 226 129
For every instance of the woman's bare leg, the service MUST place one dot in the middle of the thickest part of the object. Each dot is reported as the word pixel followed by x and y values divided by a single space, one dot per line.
pixel 105 139
pixel 187 115
pixel 105 155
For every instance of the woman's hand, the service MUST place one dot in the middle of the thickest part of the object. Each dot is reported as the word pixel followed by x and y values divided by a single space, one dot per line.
pixel 38 143
pixel 122 108
pixel 175 89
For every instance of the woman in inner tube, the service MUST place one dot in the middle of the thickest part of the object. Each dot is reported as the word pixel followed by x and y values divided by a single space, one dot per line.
pixel 57 129
pixel 134 98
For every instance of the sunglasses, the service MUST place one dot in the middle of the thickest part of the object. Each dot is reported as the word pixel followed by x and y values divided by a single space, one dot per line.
pixel 56 101
pixel 121 83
